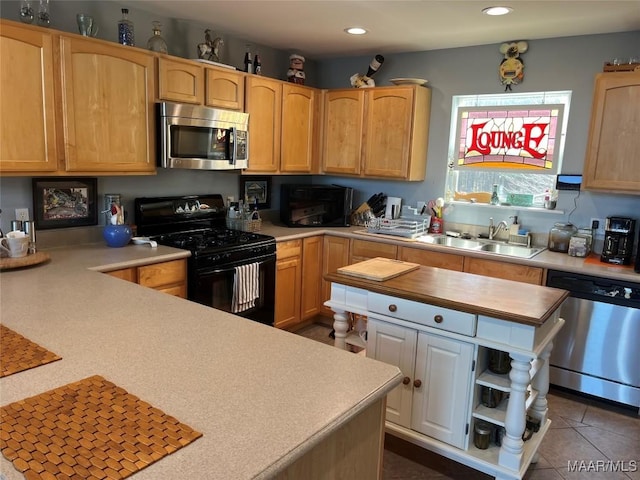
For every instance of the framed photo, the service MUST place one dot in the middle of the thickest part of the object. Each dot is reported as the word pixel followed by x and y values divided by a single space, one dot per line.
pixel 66 202
pixel 256 188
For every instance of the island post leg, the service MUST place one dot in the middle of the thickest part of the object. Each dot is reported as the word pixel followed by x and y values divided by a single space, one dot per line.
pixel 340 327
pixel 540 382
pixel 515 421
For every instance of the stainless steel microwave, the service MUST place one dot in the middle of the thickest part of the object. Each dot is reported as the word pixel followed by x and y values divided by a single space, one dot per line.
pixel 315 205
pixel 202 138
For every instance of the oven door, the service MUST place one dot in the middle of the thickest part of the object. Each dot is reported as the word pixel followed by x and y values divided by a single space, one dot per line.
pixel 214 287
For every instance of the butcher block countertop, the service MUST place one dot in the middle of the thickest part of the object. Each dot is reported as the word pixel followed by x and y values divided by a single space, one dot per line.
pixel 504 299
pixel 261 397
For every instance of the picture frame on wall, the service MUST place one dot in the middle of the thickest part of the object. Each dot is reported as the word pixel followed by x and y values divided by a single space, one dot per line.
pixel 256 188
pixel 63 203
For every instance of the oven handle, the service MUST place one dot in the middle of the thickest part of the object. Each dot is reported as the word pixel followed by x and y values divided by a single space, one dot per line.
pixel 216 271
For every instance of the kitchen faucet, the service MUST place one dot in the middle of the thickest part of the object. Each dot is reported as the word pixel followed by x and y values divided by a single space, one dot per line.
pixel 493 230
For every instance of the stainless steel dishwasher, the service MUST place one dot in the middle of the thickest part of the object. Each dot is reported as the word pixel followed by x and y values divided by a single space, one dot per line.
pixel 598 350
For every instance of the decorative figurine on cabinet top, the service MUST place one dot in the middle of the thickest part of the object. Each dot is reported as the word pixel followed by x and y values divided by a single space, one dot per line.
pixel 295 74
pixel 210 49
pixel 358 80
pixel 511 68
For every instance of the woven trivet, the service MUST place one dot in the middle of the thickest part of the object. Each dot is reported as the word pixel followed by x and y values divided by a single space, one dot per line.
pixel 18 353
pixel 91 429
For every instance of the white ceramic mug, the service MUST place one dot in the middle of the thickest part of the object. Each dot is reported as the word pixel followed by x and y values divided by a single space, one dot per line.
pixel 15 246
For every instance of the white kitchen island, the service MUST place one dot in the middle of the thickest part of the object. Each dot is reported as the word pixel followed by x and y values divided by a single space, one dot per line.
pixel 266 401
pixel 438 326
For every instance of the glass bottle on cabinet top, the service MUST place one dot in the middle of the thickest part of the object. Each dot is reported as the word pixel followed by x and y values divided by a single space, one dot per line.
pixel 44 19
pixel 156 43
pixel 26 11
pixel 125 29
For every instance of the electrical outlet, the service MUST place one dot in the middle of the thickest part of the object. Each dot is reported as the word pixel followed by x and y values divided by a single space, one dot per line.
pixel 22 214
pixel 597 224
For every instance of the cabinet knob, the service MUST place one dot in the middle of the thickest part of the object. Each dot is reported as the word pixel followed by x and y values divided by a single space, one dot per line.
pixel 393 308
pixel 438 319
pixel 406 381
pixel 417 383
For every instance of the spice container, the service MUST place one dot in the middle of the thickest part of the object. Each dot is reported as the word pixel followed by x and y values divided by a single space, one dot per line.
pixel 491 397
pixel 560 235
pixel 481 435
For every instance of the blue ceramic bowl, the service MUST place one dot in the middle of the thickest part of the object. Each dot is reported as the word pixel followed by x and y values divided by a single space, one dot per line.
pixel 117 235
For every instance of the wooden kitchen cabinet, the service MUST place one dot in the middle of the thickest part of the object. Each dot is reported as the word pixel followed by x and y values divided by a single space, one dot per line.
pixel 335 255
pixel 180 81
pixel 343 131
pixel 263 103
pixel 282 126
pixel 377 132
pixel 397 132
pixel 102 118
pixel 27 105
pixel 311 295
pixel 187 81
pixel 288 283
pixel 433 398
pixel 507 271
pixel 298 291
pixel 224 88
pixel 108 96
pixel 363 250
pixel 168 277
pixel 430 258
pixel 611 162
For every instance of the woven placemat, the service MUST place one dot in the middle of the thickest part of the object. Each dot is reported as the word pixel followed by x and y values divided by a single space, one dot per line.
pixel 87 429
pixel 18 353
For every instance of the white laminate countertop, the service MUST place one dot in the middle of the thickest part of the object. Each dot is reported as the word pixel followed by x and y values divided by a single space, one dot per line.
pixel 546 259
pixel 261 397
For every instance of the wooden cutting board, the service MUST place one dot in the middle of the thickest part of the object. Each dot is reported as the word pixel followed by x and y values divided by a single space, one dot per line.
pixel 378 269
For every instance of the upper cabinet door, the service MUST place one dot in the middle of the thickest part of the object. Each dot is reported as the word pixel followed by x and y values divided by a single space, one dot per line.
pixel 108 100
pixel 264 106
pixel 225 89
pixel 27 108
pixel 397 132
pixel 343 131
pixel 298 144
pixel 180 81
pixel 611 162
pixel 388 132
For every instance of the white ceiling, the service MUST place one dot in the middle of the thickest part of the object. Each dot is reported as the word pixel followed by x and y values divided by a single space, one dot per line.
pixel 315 27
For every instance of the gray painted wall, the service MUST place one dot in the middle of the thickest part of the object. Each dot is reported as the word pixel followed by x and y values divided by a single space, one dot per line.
pixel 553 64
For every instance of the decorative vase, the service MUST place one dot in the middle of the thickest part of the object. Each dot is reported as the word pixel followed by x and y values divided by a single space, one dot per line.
pixel 117 235
pixel 156 43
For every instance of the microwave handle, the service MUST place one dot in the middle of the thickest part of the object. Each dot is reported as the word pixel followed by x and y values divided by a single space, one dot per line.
pixel 232 145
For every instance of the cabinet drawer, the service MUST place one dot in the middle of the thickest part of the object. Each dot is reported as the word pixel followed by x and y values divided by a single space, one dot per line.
pixel 366 249
pixel 160 274
pixel 429 315
pixel 292 248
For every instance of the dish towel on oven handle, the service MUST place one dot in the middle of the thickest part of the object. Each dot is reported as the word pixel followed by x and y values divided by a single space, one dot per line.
pixel 246 287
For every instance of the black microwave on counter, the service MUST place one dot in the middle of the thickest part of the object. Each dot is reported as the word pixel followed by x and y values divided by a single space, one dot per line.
pixel 315 205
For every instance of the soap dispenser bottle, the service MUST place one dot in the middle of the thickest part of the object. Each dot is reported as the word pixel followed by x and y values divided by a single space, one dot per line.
pixel 515 226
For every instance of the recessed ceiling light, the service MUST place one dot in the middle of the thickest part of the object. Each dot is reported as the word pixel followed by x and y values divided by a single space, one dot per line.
pixel 355 31
pixel 497 10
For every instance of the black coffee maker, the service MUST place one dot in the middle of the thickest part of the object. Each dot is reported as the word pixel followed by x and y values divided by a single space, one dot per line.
pixel 618 240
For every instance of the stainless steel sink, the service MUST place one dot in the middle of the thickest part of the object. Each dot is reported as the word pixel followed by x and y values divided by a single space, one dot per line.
pixel 489 246
pixel 511 250
pixel 450 242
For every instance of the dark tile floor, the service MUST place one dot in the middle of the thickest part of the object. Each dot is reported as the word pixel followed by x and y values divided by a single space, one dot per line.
pixel 583 430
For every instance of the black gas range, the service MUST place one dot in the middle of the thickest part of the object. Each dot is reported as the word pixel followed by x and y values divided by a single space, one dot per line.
pixel 223 261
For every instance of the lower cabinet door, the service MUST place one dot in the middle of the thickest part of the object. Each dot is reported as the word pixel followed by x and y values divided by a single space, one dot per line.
pixel 395 345
pixel 440 399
